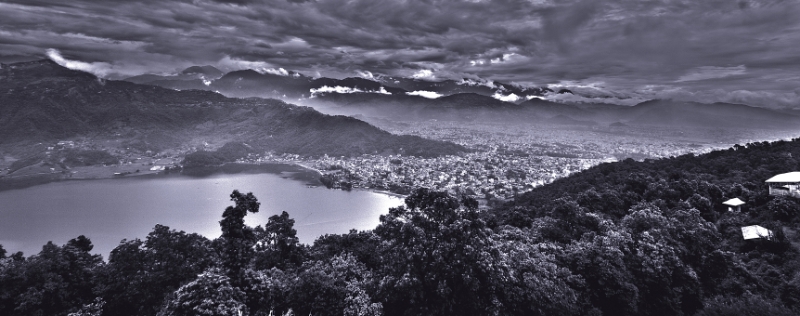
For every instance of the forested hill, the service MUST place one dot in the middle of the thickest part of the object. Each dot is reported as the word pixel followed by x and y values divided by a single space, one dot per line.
pixel 653 237
pixel 41 101
pixel 613 188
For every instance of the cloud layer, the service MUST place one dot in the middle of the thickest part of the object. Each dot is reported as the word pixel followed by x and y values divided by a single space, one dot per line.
pixel 717 50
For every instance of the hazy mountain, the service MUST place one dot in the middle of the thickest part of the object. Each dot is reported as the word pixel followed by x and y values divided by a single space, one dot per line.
pixel 679 113
pixel 209 72
pixel 250 83
pixel 42 101
pixel 193 73
pixel 461 106
pixel 472 106
pixel 546 108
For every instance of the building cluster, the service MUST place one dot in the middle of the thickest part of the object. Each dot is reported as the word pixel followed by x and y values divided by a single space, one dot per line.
pixel 485 175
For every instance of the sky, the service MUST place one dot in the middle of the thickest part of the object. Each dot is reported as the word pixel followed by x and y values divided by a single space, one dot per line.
pixel 615 51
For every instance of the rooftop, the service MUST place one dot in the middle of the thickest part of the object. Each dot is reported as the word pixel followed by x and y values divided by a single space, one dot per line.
pixel 785 178
pixel 733 202
pixel 755 231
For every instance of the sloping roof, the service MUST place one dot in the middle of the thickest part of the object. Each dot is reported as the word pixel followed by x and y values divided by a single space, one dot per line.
pixel 733 202
pixel 755 231
pixel 785 177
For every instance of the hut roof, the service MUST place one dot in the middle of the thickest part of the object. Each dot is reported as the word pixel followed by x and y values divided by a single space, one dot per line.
pixel 789 177
pixel 733 202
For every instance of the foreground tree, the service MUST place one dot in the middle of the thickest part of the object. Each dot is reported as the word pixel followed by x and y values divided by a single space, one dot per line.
pixel 237 239
pixel 278 245
pixel 56 281
pixel 140 274
pixel 441 259
pixel 211 294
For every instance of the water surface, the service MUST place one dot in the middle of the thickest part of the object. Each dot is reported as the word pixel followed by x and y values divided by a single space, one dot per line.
pixel 108 210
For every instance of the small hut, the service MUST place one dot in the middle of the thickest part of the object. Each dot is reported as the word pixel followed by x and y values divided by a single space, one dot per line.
pixel 785 184
pixel 756 232
pixel 734 205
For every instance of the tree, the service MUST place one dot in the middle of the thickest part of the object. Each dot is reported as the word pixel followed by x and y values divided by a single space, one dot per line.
pixel 333 287
pixel 237 239
pixel 600 261
pixel 667 285
pixel 746 305
pixel 441 259
pixel 56 281
pixel 278 245
pixel 363 245
pixel 211 294
pixel 434 258
pixel 139 275
pixel 93 309
pixel 529 279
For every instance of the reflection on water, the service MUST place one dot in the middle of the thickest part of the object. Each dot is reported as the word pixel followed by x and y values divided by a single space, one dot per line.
pixel 109 210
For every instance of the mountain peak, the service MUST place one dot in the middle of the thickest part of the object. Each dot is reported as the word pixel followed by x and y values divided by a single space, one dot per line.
pixel 207 71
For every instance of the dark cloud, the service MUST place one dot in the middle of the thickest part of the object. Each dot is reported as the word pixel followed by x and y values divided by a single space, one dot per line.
pixel 690 49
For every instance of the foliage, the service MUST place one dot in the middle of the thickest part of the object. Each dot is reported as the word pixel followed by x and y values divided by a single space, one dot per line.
pixel 140 274
pixel 92 309
pixel 750 305
pixel 201 159
pixel 441 259
pixel 337 286
pixel 56 281
pixel 210 294
pixel 277 244
pixel 237 240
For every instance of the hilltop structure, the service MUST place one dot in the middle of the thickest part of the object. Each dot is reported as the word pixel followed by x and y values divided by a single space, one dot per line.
pixel 734 205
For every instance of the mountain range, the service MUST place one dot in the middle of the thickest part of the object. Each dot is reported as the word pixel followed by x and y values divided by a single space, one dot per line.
pixel 472 107
pixel 291 85
pixel 467 100
pixel 43 101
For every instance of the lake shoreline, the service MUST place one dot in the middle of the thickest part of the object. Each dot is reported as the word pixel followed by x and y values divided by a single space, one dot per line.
pixel 297 171
pixel 288 170
pixel 111 209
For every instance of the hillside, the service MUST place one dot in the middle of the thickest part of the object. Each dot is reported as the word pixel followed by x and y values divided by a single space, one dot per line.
pixel 42 101
pixel 640 209
pixel 675 113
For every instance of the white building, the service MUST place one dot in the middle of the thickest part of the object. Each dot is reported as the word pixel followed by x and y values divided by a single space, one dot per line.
pixel 785 184
pixel 734 205
pixel 756 232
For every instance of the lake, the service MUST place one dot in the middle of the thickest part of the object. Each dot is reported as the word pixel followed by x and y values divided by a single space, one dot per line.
pixel 109 210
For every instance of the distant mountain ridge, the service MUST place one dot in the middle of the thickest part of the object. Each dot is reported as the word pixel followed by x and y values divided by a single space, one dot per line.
pixel 471 106
pixel 195 74
pixel 293 85
pixel 43 101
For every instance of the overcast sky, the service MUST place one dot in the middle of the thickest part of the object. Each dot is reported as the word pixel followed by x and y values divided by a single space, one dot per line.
pixel 619 51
